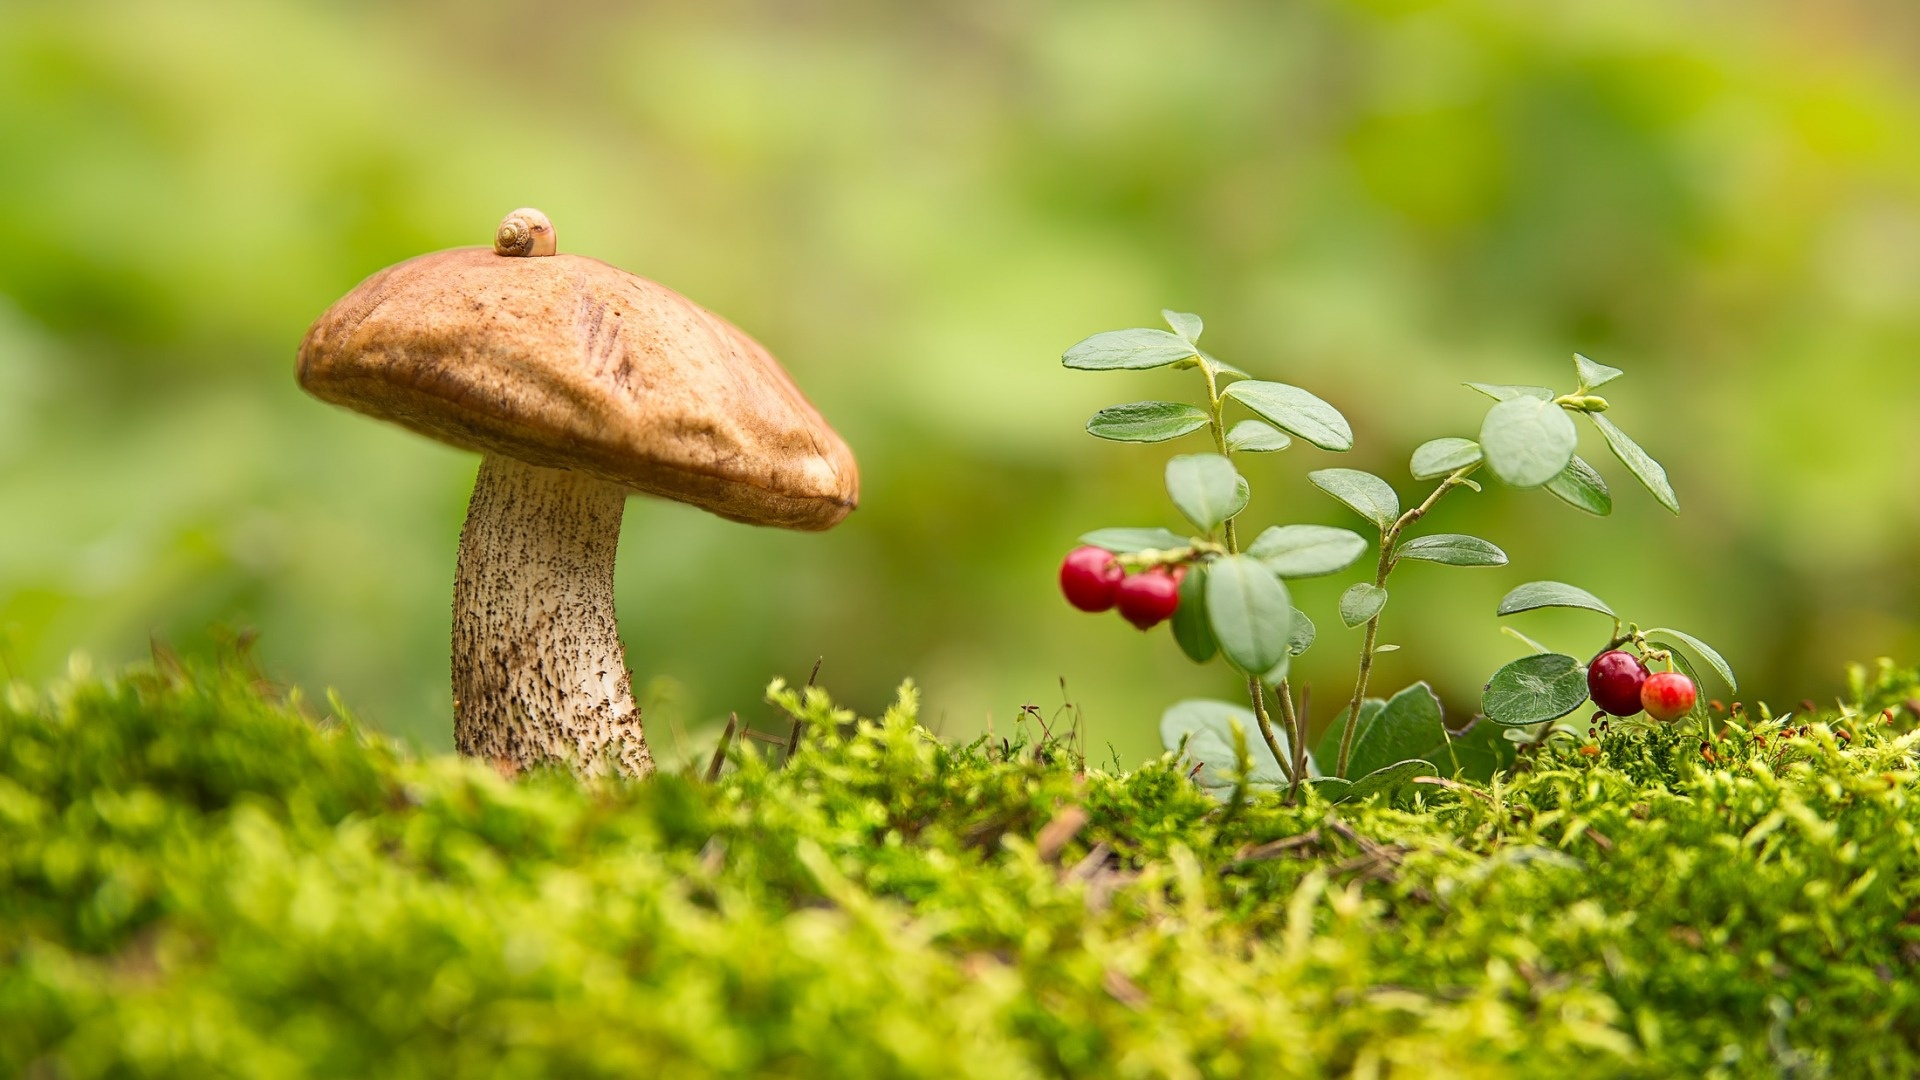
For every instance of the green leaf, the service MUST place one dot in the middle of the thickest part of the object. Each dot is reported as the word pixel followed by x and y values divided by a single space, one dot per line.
pixel 1389 780
pixel 1186 325
pixel 1220 367
pixel 1362 601
pixel 1249 611
pixel 1438 457
pixel 1128 541
pixel 1256 437
pixel 1528 441
pixel 1637 462
pixel 1242 494
pixel 1300 636
pixel 1147 421
pixel 1295 410
pixel 1506 392
pixel 1328 749
pixel 1701 651
pixel 1541 594
pixel 1296 551
pixel 1534 689
pixel 1330 788
pixel 1592 375
pixel 1128 350
pixel 1369 496
pixel 1453 549
pixel 1190 628
pixel 1206 726
pixel 1408 727
pixel 1580 487
pixel 1482 751
pixel 1204 487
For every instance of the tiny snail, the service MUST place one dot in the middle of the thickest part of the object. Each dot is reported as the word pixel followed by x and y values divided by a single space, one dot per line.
pixel 526 231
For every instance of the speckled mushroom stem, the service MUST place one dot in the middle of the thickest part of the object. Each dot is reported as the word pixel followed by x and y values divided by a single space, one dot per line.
pixel 538 670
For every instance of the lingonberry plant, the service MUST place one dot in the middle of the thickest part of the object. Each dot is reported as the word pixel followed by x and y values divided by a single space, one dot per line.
pixel 1227 596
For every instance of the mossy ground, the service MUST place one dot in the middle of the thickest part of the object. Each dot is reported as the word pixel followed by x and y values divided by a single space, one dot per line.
pixel 196 879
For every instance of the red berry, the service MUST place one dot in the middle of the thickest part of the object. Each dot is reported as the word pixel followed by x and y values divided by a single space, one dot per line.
pixel 1613 682
pixel 1668 695
pixel 1089 576
pixel 1148 598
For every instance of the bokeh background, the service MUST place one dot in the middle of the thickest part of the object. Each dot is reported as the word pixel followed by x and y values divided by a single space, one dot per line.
pixel 917 207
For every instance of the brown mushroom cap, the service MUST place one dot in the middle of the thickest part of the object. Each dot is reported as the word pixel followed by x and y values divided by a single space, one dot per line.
pixel 567 362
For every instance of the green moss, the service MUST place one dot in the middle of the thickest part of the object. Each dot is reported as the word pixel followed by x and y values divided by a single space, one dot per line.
pixel 196 880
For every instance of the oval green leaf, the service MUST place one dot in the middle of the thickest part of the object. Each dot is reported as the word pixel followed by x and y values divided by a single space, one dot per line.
pixel 1256 437
pixel 1593 376
pixel 1528 441
pixel 1409 726
pixel 1250 612
pixel 1296 551
pixel 1128 541
pixel 1542 594
pixel 1187 325
pixel 1391 779
pixel 1128 350
pixel 1481 751
pixel 1147 421
pixel 1295 410
pixel 1452 549
pixel 1362 601
pixel 1438 457
pixel 1369 496
pixel 1700 651
pixel 1507 392
pixel 1300 636
pixel 1205 487
pixel 1580 487
pixel 1205 728
pixel 1534 689
pixel 1643 467
pixel 1220 368
pixel 1189 622
pixel 1242 494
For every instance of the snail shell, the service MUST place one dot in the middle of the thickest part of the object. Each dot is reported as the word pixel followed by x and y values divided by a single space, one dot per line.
pixel 524 232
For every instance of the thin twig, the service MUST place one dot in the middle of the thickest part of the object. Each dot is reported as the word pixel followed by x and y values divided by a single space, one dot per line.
pixel 1259 695
pixel 1053 836
pixel 793 737
pixel 1389 538
pixel 1296 772
pixel 720 752
pixel 1455 785
pixel 1273 849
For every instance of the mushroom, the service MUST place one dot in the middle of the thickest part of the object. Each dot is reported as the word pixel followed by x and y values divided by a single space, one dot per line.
pixel 578 383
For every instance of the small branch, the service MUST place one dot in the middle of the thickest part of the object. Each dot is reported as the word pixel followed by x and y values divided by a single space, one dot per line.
pixel 793 736
pixel 1259 696
pixel 720 751
pixel 1389 541
pixel 1298 772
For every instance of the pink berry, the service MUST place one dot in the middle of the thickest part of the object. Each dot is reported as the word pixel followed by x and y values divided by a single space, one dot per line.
pixel 1614 679
pixel 1149 598
pixel 1668 695
pixel 1090 576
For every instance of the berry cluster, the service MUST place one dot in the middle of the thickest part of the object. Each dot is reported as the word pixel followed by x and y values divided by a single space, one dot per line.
pixel 1619 684
pixel 1095 581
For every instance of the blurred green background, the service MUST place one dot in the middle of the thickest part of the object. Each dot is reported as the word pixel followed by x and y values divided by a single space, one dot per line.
pixel 917 207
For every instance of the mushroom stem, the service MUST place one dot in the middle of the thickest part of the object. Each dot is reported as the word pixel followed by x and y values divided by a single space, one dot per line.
pixel 538 670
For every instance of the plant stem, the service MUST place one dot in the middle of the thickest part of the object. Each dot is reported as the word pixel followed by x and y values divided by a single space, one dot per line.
pixel 1389 541
pixel 1255 692
pixel 1296 739
pixel 1258 694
